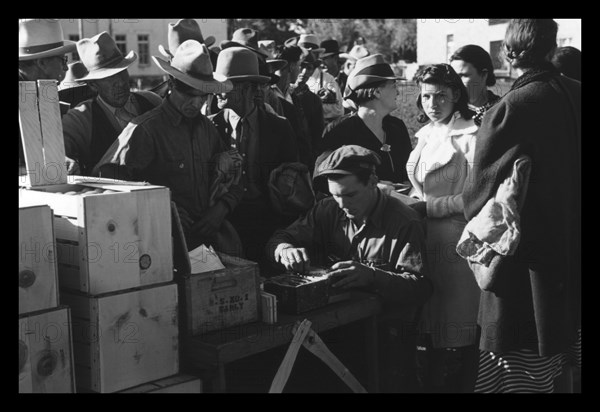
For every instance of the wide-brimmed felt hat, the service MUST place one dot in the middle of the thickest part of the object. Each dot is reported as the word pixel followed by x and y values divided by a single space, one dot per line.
pixel 184 29
pixel 331 47
pixel 269 48
pixel 39 38
pixel 357 52
pixel 191 65
pixel 75 72
pixel 367 71
pixel 244 37
pixel 102 58
pixel 239 64
pixel 305 41
pixel 346 160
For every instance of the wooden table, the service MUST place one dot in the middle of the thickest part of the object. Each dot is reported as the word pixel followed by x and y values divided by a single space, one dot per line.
pixel 213 351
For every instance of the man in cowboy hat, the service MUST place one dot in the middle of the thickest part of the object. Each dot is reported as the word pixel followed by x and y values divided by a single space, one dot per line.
pixel 174 145
pixel 379 245
pixel 320 82
pixel 42 55
pixel 307 104
pixel 91 127
pixel 372 87
pixel 177 33
pixel 248 38
pixel 265 141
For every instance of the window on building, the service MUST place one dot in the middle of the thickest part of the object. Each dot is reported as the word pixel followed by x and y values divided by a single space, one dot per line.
pixel 74 54
pixel 498 21
pixel 449 46
pixel 144 49
pixel 121 41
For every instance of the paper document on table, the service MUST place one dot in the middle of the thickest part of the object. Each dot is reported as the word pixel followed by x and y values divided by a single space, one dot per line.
pixel 204 259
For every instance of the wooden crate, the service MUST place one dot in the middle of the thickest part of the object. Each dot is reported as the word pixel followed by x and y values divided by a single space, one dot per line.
pixel 38 289
pixel 124 339
pixel 108 241
pixel 45 352
pixel 220 298
pixel 174 384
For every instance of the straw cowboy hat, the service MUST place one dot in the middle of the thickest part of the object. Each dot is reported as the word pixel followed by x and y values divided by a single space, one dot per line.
pixel 245 37
pixel 306 41
pixel 331 48
pixel 184 29
pixel 76 71
pixel 102 58
pixel 239 63
pixel 191 65
pixel 369 70
pixel 39 38
pixel 358 52
pixel 269 48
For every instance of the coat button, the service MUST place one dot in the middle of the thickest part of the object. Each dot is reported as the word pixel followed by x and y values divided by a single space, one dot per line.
pixel 181 165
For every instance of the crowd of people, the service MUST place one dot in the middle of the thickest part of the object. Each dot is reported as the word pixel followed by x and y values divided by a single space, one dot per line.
pixel 289 155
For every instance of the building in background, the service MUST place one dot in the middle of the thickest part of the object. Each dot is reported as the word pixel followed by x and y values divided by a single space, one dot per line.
pixel 437 39
pixel 141 35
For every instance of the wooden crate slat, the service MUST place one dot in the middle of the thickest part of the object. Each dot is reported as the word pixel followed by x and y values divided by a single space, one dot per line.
pixel 47 336
pixel 38 279
pixel 52 132
pixel 31 133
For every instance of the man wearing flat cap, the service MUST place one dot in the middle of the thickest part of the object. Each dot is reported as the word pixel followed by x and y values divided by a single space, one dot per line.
pixel 378 243
pixel 175 145
pixel 91 127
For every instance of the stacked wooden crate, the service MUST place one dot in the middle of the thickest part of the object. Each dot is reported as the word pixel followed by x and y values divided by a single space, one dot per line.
pixel 114 255
pixel 45 341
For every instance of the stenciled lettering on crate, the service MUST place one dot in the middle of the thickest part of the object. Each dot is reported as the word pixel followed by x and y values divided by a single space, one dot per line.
pixel 38 282
pixel 221 298
pixel 124 339
pixel 45 352
pixel 108 237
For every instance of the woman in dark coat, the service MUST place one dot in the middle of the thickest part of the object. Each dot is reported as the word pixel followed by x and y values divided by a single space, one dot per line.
pixel 531 316
pixel 372 86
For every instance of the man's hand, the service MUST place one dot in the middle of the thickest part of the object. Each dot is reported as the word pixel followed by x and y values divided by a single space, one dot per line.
pixel 72 166
pixel 211 220
pixel 351 274
pixel 293 258
pixel 420 208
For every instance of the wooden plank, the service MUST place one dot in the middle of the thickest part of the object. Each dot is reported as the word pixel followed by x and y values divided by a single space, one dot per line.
pixel 317 347
pixel 174 384
pixel 62 205
pixel 69 277
pixel 55 170
pixel 283 373
pixel 31 134
pixel 47 336
pixel 112 255
pixel 38 279
pixel 154 231
pixel 237 342
pixel 66 228
pixel 137 338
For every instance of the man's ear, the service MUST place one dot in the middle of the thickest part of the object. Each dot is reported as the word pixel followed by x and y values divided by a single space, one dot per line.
pixel 373 179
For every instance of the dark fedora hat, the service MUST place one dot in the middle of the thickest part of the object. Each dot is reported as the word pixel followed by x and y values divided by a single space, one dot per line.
pixel 331 47
pixel 369 70
pixel 240 63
